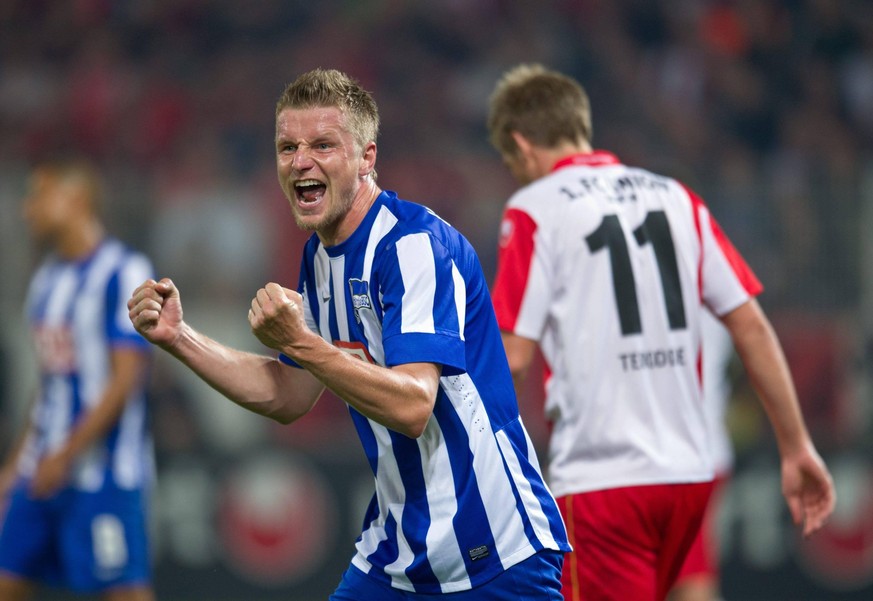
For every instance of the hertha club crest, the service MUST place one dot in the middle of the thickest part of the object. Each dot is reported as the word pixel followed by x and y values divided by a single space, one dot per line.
pixel 360 296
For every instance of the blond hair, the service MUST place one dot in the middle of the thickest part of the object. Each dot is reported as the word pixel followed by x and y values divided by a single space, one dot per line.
pixel 332 88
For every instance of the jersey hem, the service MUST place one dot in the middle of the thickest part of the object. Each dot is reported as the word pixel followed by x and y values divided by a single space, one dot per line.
pixel 462 586
pixel 563 491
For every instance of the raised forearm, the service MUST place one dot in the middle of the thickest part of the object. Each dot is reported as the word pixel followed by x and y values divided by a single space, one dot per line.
pixel 400 398
pixel 255 382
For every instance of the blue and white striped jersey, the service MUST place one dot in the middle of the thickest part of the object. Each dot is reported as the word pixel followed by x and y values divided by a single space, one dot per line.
pixel 77 311
pixel 466 500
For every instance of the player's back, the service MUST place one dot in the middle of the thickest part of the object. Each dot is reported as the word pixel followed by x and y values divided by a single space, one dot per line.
pixel 613 294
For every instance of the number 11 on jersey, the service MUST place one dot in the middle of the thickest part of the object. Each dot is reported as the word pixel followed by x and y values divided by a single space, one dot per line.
pixel 654 230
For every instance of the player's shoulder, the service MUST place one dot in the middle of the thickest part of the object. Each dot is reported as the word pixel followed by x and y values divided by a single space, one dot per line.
pixel 417 218
pixel 127 253
pixel 406 210
pixel 118 256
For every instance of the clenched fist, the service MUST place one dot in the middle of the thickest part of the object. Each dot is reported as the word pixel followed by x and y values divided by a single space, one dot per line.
pixel 155 309
pixel 277 317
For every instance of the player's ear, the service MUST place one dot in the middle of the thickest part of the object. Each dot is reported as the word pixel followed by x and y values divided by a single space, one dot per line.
pixel 368 160
pixel 522 143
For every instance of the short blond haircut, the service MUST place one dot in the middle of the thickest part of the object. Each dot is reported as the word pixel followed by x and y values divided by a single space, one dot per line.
pixel 546 107
pixel 332 88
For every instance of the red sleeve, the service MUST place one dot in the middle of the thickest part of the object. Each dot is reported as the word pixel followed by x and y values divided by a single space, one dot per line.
pixel 515 253
pixel 744 273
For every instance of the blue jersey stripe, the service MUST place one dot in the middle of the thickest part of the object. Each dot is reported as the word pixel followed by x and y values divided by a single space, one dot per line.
pixel 386 552
pixel 332 316
pixel 415 511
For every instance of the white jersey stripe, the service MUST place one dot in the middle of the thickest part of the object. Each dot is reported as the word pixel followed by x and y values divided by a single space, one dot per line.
pixel 443 548
pixel 462 393
pixel 529 499
pixel 388 474
pixel 58 413
pixel 415 257
pixel 384 223
pixel 337 273
pixel 93 352
pixel 370 322
pixel 460 298
pixel 322 289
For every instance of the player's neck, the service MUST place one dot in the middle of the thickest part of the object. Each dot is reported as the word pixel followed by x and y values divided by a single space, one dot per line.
pixel 563 151
pixel 79 241
pixel 345 227
pixel 546 158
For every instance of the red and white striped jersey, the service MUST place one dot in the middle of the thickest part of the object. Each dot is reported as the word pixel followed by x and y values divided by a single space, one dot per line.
pixel 607 267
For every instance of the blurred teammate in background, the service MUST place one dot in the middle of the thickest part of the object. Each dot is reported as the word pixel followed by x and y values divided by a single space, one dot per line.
pixel 698 579
pixel 607 268
pixel 393 314
pixel 76 484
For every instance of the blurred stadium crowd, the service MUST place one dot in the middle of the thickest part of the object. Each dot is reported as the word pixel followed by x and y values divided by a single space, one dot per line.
pixel 763 107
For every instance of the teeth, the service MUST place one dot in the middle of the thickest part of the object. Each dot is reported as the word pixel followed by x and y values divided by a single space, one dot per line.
pixel 307 182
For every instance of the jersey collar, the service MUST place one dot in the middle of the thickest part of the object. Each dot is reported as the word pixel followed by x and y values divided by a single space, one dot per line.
pixel 595 158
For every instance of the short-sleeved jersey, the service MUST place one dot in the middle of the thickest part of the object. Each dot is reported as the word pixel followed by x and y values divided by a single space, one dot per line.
pixel 606 266
pixel 77 312
pixel 467 500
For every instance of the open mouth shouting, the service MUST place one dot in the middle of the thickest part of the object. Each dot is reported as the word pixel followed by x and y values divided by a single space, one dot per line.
pixel 309 191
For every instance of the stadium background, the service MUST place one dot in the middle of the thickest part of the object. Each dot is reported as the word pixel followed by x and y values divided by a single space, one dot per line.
pixel 766 108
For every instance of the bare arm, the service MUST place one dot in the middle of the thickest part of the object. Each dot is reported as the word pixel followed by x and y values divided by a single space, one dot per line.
pixel 806 483
pixel 258 383
pixel 400 398
pixel 520 353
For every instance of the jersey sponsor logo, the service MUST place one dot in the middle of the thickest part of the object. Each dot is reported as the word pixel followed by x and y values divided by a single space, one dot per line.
pixel 620 189
pixel 55 349
pixel 656 359
pixel 360 290
pixel 355 349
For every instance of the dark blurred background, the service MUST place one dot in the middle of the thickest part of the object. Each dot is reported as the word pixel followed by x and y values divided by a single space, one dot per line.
pixel 763 107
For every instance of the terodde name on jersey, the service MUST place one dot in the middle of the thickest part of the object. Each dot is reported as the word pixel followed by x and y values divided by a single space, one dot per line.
pixel 618 189
pixel 654 359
